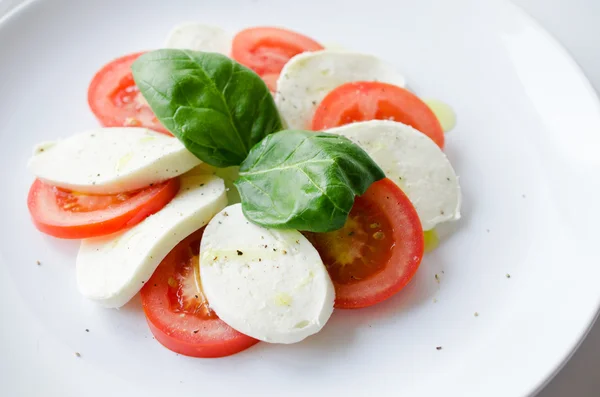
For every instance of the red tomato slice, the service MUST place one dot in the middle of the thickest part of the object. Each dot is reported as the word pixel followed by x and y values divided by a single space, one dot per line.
pixel 369 100
pixel 266 50
pixel 270 80
pixel 65 214
pixel 178 313
pixel 115 99
pixel 378 250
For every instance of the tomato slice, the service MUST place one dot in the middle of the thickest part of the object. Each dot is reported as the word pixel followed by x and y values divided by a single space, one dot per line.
pixel 369 100
pixel 266 50
pixel 116 101
pixel 177 310
pixel 377 252
pixel 270 80
pixel 66 214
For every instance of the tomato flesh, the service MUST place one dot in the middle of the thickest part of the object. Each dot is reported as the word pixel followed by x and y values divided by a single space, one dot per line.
pixel 378 250
pixel 72 215
pixel 185 292
pixel 115 99
pixel 368 100
pixel 361 248
pixel 266 50
pixel 178 313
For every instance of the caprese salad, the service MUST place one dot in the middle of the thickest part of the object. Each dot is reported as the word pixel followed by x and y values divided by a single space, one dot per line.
pixel 246 186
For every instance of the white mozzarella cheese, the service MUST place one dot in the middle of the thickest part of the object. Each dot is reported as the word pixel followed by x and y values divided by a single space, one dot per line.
pixel 415 163
pixel 228 174
pixel 308 77
pixel 111 160
pixel 199 37
pixel 112 269
pixel 267 283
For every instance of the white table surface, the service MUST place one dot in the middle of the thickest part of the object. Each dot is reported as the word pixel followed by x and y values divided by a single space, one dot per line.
pixel 575 23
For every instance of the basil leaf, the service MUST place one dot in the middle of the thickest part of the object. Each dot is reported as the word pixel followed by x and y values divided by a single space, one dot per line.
pixel 217 108
pixel 304 180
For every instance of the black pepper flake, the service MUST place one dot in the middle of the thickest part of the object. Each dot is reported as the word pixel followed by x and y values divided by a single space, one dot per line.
pixel 351 234
pixel 438 348
pixel 202 184
pixel 143 282
pixel 152 184
pixel 284 252
pixel 155 285
pixel 476 314
pixel 314 103
pixel 507 275
pixel 260 259
pixel 448 179
pixel 262 237
pixel 77 354
pixel 274 249
pixel 225 213
pixel 297 241
pixel 87 330
pixel 38 263
pixel 196 331
pixel 196 296
pixel 239 252
pixel 98 175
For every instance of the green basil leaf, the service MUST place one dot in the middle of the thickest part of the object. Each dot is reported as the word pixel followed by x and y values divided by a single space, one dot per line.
pixel 304 180
pixel 218 108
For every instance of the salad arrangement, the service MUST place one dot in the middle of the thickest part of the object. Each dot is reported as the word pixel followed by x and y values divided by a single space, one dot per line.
pixel 246 186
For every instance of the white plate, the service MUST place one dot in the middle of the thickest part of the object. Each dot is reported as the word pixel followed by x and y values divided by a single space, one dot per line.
pixel 527 148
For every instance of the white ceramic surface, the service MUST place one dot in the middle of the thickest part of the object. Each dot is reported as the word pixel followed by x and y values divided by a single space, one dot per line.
pixel 526 147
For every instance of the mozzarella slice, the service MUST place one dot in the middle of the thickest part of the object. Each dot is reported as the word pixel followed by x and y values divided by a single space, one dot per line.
pixel 266 283
pixel 112 269
pixel 111 160
pixel 308 77
pixel 415 163
pixel 199 37
pixel 228 174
